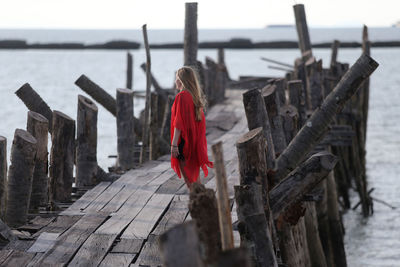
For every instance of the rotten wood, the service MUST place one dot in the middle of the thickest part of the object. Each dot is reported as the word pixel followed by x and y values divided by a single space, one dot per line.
pixel 190 43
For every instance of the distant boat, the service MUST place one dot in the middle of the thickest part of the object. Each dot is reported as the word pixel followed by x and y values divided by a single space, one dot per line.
pixel 280 26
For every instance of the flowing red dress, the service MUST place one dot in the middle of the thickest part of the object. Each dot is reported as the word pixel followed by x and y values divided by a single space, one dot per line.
pixel 183 117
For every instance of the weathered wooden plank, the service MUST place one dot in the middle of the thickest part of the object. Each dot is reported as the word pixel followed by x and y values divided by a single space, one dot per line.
pixel 36 224
pixel 128 246
pixel 86 199
pixel 105 197
pixel 44 242
pixel 150 254
pixel 4 253
pixel 70 241
pixel 117 259
pixel 60 225
pixel 18 258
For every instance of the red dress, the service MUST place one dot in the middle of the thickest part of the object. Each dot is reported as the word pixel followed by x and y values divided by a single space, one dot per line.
pixel 183 117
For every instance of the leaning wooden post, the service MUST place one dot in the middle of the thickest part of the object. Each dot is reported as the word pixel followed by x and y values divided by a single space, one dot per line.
pixel 290 121
pixel 165 131
pixel 315 87
pixel 103 98
pixel 145 134
pixel 180 246
pixel 86 147
pixel 61 158
pixel 297 99
pixel 272 104
pixel 154 130
pixel 190 43
pixel 34 102
pixel 38 126
pixel 3 174
pixel 154 81
pixel 203 209
pixel 125 129
pixel 224 209
pixel 253 226
pixel 319 122
pixel 257 116
pixel 302 28
pixel 20 175
pixel 129 70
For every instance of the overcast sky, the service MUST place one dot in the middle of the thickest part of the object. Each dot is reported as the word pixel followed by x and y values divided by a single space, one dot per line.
pixel 169 14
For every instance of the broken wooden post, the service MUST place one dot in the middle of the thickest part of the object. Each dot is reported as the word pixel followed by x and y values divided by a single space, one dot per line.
pixel 280 90
pixel 180 246
pixel 212 86
pixel 153 80
pixel 34 102
pixel 224 209
pixel 125 129
pixel 129 70
pixel 237 257
pixel 297 99
pixel 272 104
pixel 145 134
pixel 302 28
pixel 166 121
pixel 257 116
pixel 98 93
pixel 190 43
pixel 203 209
pixel 319 122
pixel 61 158
pixel 290 121
pixel 253 226
pixel 3 174
pixel 335 48
pixel 38 127
pixel 23 152
pixel 104 99
pixel 315 82
pixel 154 130
pixel 86 147
pixel 292 189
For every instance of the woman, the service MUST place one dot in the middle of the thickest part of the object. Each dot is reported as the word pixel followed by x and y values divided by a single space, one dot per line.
pixel 188 128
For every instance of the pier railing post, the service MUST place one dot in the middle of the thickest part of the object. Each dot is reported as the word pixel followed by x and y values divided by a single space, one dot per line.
pixel 20 175
pixel 86 147
pixel 61 158
pixel 38 126
pixel 125 129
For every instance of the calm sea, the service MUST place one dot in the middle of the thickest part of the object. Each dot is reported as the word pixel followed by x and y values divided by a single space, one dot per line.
pixel 369 242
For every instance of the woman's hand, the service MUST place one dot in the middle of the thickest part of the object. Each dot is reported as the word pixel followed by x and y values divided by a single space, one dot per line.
pixel 174 151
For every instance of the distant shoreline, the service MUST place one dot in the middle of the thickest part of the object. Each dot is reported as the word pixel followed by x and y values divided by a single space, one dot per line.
pixel 236 43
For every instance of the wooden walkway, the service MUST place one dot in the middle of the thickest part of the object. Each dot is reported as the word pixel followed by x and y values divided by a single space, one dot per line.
pixel 118 224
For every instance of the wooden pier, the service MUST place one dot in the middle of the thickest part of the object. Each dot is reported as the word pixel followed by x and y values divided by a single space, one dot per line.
pixel 118 223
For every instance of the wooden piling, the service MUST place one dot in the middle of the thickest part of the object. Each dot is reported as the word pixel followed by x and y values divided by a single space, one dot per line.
pixel 129 70
pixel 302 28
pixel 38 126
pixel 203 209
pixel 319 122
pixel 190 43
pixel 61 158
pixel 297 99
pixel 104 99
pixel 315 82
pixel 272 104
pixel 180 246
pixel 34 102
pixel 153 80
pixel 154 130
pixel 166 121
pixel 3 174
pixel 335 48
pixel 23 152
pixel 290 121
pixel 224 209
pixel 257 116
pixel 86 147
pixel 253 227
pixel 145 135
pixel 125 129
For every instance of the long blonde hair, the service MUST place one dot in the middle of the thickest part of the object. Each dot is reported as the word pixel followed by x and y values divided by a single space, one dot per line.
pixel 190 82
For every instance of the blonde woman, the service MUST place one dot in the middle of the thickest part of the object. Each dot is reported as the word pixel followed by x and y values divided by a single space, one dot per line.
pixel 188 128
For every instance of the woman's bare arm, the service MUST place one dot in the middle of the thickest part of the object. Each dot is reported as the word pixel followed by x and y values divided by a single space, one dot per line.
pixel 174 145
